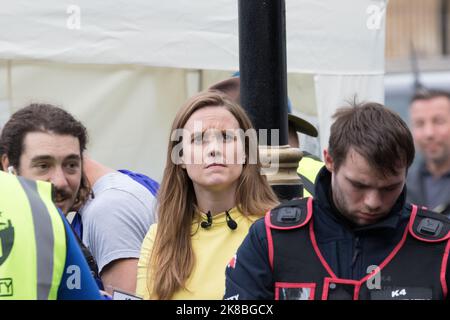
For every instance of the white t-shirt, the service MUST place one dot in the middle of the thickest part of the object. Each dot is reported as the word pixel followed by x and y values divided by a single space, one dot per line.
pixel 117 219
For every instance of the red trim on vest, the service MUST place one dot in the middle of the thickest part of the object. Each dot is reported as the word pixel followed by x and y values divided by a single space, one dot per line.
pixel 317 250
pixel 411 225
pixel 279 285
pixel 388 258
pixel 444 270
pixel 328 281
pixel 308 217
pixel 269 239
pixel 334 278
pixel 358 283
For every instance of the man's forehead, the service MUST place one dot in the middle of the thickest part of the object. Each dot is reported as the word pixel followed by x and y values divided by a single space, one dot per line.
pixel 45 144
pixel 53 157
pixel 436 103
pixel 358 168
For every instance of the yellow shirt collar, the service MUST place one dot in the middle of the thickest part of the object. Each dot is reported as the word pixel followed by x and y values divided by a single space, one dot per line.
pixel 221 217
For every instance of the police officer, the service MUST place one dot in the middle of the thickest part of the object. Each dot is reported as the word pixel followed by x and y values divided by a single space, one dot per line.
pixel 39 255
pixel 358 238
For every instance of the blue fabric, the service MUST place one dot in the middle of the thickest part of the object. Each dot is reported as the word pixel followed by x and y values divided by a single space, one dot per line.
pixel 88 289
pixel 77 228
pixel 348 249
pixel 77 225
pixel 144 180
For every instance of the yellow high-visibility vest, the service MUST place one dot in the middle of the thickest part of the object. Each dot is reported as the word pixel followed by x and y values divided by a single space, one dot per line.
pixel 32 239
pixel 308 168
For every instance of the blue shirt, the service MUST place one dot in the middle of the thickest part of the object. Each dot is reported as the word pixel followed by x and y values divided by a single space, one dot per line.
pixel 77 282
pixel 435 189
pixel 146 181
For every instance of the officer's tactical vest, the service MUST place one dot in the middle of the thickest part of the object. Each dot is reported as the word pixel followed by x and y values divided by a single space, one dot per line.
pixel 32 240
pixel 415 269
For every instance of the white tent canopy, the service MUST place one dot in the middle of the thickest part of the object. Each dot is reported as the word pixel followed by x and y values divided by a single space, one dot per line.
pixel 112 63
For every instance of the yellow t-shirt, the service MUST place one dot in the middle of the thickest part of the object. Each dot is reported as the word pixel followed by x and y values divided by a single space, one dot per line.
pixel 213 248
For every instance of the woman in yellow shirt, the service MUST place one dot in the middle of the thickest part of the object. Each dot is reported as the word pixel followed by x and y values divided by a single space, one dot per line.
pixel 211 192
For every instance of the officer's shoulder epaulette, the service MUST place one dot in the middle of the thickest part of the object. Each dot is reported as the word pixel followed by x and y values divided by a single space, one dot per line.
pixel 428 226
pixel 290 214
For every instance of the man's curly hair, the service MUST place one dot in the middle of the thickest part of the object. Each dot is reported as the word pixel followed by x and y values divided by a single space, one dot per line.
pixel 39 117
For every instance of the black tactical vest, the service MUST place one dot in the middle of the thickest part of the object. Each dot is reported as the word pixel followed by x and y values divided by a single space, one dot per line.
pixel 415 269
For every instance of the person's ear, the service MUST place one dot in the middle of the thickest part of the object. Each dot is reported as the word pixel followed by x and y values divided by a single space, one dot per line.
pixel 182 162
pixel 5 162
pixel 177 155
pixel 328 159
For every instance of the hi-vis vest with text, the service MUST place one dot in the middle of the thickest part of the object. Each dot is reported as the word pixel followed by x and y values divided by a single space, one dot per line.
pixel 32 240
pixel 415 269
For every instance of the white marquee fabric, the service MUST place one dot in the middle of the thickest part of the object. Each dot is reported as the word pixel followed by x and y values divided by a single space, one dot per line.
pixel 323 36
pixel 122 66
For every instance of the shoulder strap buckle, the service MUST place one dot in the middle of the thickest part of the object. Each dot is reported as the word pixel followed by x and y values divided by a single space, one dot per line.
pixel 291 214
pixel 430 227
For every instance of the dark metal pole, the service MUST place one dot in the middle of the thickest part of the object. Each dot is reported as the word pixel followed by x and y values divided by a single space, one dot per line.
pixel 263 82
pixel 262 64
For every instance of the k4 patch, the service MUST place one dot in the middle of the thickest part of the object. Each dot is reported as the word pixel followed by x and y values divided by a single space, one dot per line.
pixel 402 293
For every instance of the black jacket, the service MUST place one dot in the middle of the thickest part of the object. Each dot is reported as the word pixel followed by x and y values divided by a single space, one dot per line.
pixel 349 250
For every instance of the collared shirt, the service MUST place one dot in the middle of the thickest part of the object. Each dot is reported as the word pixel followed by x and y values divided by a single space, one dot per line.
pixel 426 191
pixel 434 187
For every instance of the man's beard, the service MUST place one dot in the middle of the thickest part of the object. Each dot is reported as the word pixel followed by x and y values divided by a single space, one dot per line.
pixel 441 158
pixel 63 200
pixel 61 195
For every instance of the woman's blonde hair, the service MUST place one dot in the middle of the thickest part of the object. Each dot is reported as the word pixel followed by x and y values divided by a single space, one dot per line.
pixel 172 258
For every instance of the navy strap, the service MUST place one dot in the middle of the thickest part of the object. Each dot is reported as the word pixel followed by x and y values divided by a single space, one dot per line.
pixel 144 180
pixel 77 225
pixel 307 184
